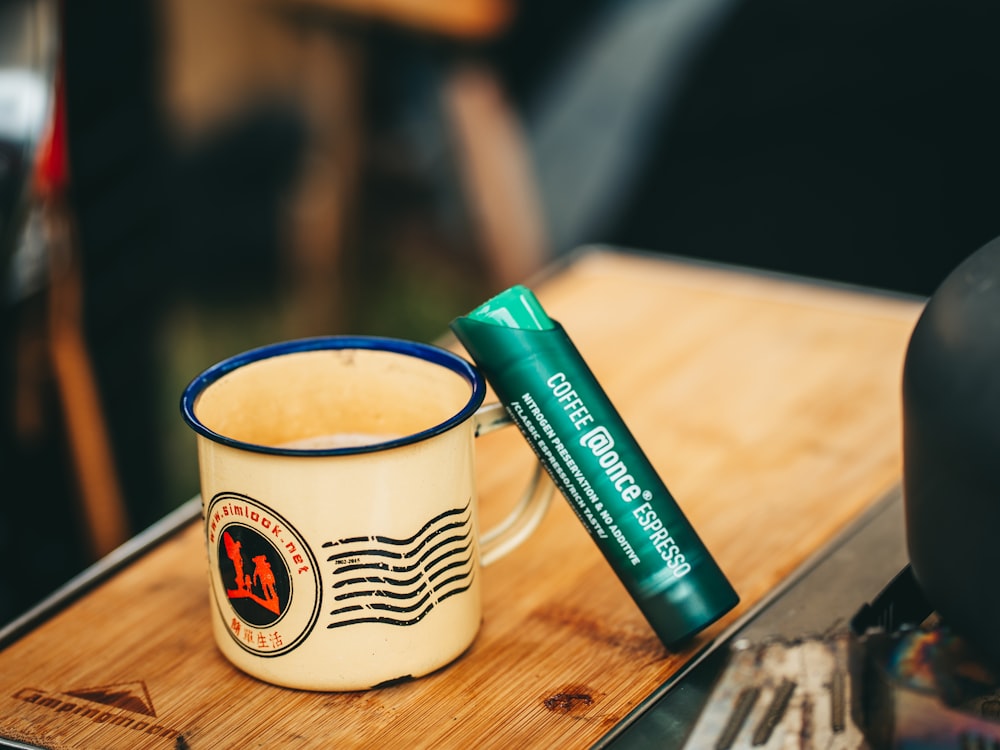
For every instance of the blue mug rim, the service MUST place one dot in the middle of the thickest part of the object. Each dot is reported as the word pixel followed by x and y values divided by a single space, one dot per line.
pixel 427 352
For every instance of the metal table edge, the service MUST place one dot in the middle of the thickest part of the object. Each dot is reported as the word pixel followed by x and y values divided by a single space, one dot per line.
pixel 730 633
pixel 100 571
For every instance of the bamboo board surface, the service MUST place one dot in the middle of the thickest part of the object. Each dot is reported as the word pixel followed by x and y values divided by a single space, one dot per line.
pixel 771 409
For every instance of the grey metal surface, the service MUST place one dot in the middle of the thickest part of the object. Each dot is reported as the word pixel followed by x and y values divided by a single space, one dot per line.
pixel 819 599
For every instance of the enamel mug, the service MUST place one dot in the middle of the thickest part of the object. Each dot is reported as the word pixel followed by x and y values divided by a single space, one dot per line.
pixel 340 509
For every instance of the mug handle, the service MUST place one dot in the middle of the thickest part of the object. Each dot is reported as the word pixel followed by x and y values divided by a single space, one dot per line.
pixel 528 513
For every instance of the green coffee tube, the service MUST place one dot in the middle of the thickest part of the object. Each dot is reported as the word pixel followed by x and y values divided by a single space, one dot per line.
pixel 596 463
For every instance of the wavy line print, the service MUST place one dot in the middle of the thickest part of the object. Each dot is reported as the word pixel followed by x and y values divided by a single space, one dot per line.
pixel 400 601
pixel 373 579
pixel 380 592
pixel 389 581
pixel 451 566
pixel 441 557
pixel 424 535
pixel 395 620
pixel 386 591
pixel 373 553
pixel 391 540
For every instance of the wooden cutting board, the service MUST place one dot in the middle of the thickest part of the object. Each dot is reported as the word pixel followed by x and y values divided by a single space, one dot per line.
pixel 771 409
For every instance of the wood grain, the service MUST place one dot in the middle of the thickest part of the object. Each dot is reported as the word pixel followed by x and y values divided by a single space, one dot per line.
pixel 769 406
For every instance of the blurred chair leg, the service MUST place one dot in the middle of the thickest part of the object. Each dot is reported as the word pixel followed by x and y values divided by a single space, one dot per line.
pixel 103 509
pixel 497 174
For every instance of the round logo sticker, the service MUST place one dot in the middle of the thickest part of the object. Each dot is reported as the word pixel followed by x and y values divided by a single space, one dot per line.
pixel 265 577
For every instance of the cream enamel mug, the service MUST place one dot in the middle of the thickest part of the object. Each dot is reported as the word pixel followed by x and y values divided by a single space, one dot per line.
pixel 340 509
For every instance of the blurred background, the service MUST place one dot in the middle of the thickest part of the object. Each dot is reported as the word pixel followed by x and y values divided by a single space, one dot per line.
pixel 241 171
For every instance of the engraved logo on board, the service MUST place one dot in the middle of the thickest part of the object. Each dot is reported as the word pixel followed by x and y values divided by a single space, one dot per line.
pixel 132 696
pixel 123 705
pixel 265 577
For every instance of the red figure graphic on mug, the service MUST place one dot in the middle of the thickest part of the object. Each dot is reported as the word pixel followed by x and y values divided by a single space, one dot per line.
pixel 233 552
pixel 261 587
pixel 263 573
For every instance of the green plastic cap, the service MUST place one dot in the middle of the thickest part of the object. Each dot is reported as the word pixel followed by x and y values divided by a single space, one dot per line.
pixel 516 307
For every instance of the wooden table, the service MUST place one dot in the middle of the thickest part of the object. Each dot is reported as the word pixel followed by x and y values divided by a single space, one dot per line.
pixel 771 408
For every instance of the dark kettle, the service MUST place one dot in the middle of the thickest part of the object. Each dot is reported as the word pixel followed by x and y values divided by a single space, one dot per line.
pixel 951 450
